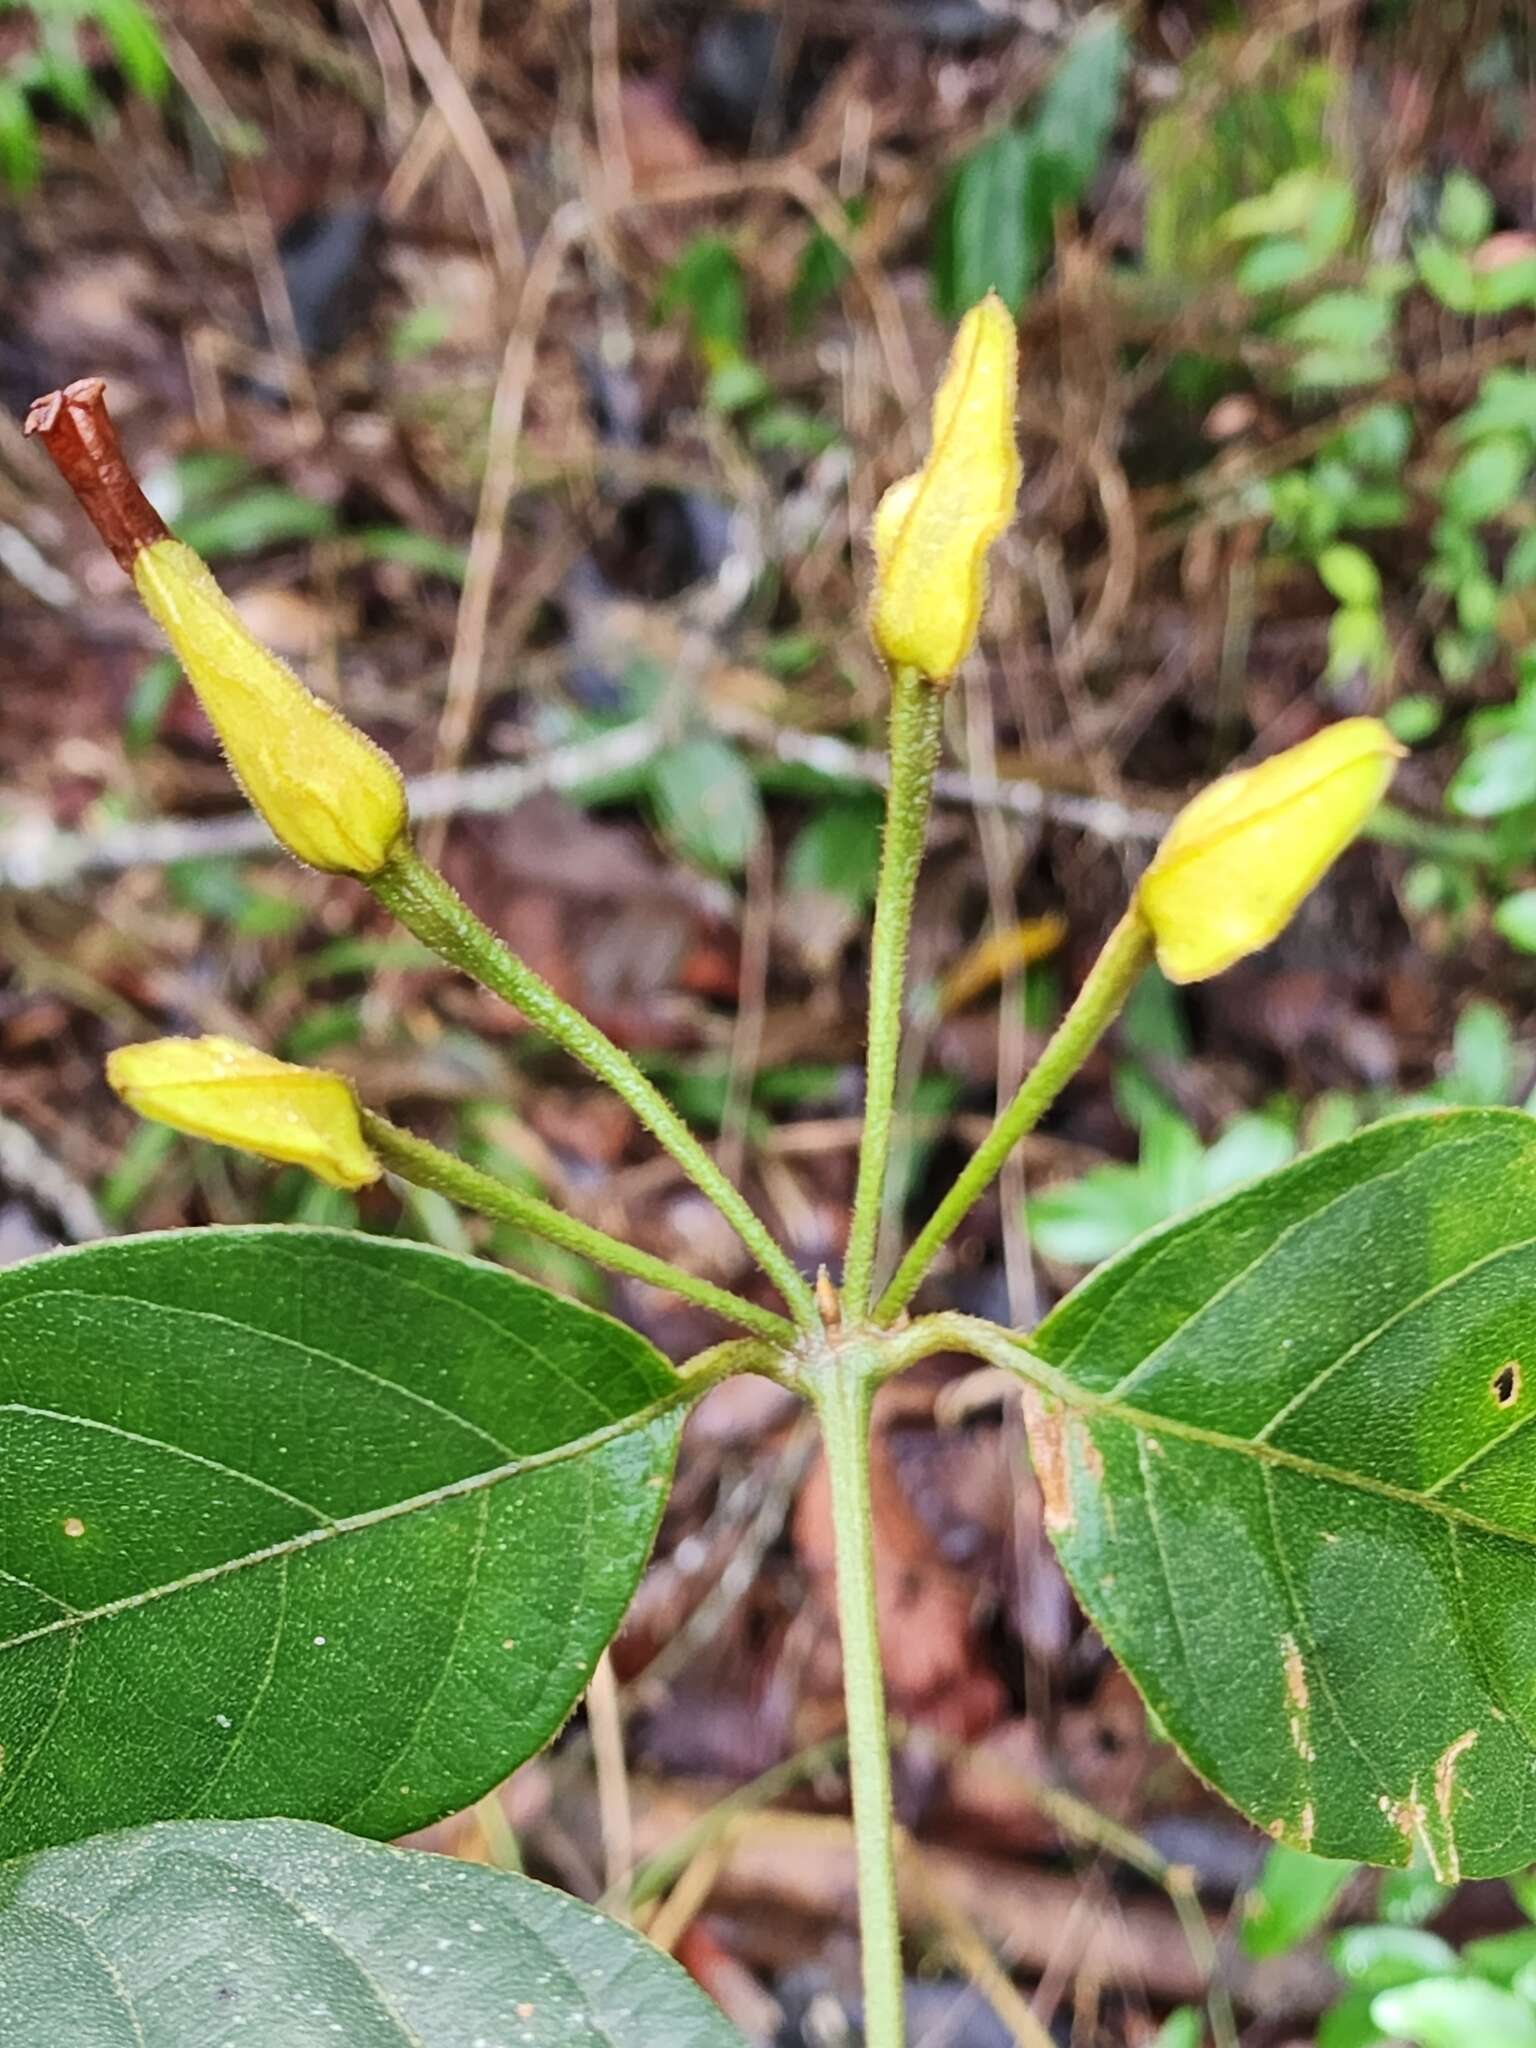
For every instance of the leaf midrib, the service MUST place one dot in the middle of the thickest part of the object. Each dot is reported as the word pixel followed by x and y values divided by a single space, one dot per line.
pixel 685 1392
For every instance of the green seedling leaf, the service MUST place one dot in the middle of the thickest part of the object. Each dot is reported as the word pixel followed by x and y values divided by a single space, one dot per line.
pixel 420 551
pixel 20 162
pixel 1076 114
pixel 1289 1438
pixel 136 45
pixel 1414 719
pixel 993 228
pixel 1338 320
pixel 1449 2012
pixel 1466 210
pixel 304 1522
pixel 1293 1897
pixel 278 1934
pixel 1503 1958
pixel 263 517
pixel 707 284
pixel 1506 404
pixel 1349 574
pixel 1448 275
pixel 1376 1958
pixel 1349 2024
pixel 1495 778
pixel 1182 2029
pixel 837 852
pixel 1486 480
pixel 707 803
pixel 1515 920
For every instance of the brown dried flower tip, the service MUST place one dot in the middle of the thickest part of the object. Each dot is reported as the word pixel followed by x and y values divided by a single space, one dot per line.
pixel 76 429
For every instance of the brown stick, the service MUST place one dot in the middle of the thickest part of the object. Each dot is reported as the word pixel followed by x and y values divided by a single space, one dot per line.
pixel 76 429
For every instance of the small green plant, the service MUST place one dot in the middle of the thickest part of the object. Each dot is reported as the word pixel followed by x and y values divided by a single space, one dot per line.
pixel 297 1520
pixel 1400 1985
pixel 55 69
pixel 1469 482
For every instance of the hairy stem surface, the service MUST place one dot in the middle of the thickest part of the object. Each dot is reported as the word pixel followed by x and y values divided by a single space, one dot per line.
pixel 1099 1002
pixel 917 708
pixel 842 1396
pixel 427 1166
pixel 426 905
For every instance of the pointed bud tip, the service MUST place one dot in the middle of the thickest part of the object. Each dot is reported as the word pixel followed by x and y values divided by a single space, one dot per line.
pixel 932 530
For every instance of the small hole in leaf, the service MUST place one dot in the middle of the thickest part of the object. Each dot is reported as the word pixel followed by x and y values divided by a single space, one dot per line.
pixel 1506 1382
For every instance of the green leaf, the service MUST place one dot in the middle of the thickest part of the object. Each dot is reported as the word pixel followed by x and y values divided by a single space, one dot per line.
pixel 1414 718
pixel 1349 2024
pixel 1495 778
pixel 306 1522
pixel 1344 320
pixel 1293 1897
pixel 1512 284
pixel 136 45
pixel 1349 574
pixel 1376 1958
pixel 1515 920
pixel 1287 1466
pixel 20 162
pixel 1449 2012
pixel 279 1934
pixel 1486 480
pixel 707 283
pixel 1466 210
pixel 837 851
pixel 993 227
pixel 707 803
pixel 1506 404
pixel 1271 266
pixel 1076 114
pixel 1448 274
pixel 1182 2029
pixel 260 518
pixel 420 551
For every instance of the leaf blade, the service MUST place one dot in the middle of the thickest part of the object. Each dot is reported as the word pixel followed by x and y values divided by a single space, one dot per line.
pixel 1296 1460
pixel 304 1551
pixel 298 1936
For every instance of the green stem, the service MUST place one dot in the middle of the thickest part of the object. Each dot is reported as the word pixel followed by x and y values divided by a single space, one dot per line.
pixel 842 1394
pixel 1099 1001
pixel 427 1166
pixel 917 709
pixel 425 904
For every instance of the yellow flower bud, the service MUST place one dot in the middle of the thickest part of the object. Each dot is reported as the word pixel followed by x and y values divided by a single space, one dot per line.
pixel 1240 856
pixel 220 1089
pixel 330 795
pixel 932 530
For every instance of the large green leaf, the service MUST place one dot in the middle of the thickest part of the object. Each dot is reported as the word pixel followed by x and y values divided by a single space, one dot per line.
pixel 299 1521
pixel 280 1934
pixel 1288 1467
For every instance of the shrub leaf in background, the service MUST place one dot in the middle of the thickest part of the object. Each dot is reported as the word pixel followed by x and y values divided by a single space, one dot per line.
pixel 994 227
pixel 280 1934
pixel 1303 1455
pixel 298 1521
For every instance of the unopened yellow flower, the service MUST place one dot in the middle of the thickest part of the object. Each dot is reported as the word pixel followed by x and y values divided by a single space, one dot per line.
pixel 329 794
pixel 932 530
pixel 220 1089
pixel 1240 856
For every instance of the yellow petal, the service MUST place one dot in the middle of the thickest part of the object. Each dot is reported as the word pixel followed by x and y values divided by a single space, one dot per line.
pixel 1240 856
pixel 329 794
pixel 220 1089
pixel 932 530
